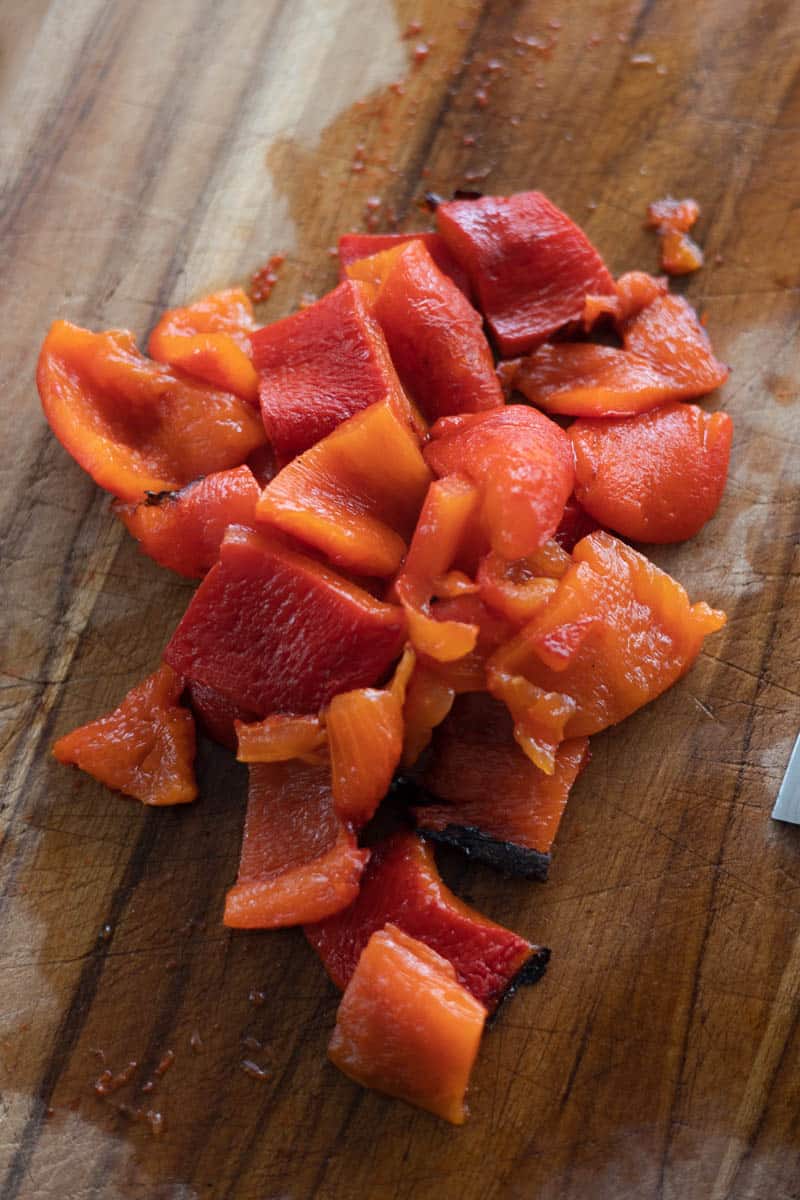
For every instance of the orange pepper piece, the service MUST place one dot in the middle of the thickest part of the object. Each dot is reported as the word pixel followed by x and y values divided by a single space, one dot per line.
pixel 133 424
pixel 298 862
pixel 210 340
pixel 365 737
pixel 656 477
pixel 144 748
pixel 280 738
pixel 617 633
pixel 407 1027
pixel 355 495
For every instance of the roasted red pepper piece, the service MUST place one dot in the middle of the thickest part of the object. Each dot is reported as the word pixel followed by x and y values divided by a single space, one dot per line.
pixel 657 477
pixel 402 885
pixel 355 495
pixel 184 530
pixel 529 265
pixel 210 340
pixel 617 633
pixel 443 526
pixel 633 291
pixel 435 337
pixel 133 424
pixel 666 356
pixel 320 366
pixel 298 862
pixel 672 220
pixel 517 589
pixel 356 246
pixel 274 631
pixel 144 748
pixel 522 463
pixel 215 714
pixel 365 738
pixel 407 1027
pixel 496 804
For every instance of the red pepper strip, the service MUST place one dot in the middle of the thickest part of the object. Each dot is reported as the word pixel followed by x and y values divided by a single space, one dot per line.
pixel 354 247
pixel 633 291
pixel 355 495
pixel 522 463
pixel 322 365
pixel 210 340
pixel 443 524
pixel 298 862
pixel 133 424
pixel 657 477
pixel 616 633
pixel 365 737
pixel 274 631
pixel 435 337
pixel 184 530
pixel 402 885
pixel 530 266
pixel 144 748
pixel 491 798
pixel 407 1027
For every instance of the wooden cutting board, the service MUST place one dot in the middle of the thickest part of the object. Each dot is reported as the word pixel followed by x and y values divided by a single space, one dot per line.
pixel 153 151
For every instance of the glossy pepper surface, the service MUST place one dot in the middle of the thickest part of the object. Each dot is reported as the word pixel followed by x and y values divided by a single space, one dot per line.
pixel 403 886
pixel 320 366
pixel 134 425
pixel 183 530
pixel 210 340
pixel 407 1027
pixel 275 631
pixel 144 748
pixel 530 266
pixel 298 862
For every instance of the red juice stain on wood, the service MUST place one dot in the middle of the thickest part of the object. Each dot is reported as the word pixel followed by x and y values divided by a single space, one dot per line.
pixel 264 279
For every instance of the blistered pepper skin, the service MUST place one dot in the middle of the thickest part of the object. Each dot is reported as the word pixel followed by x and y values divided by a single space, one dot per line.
pixel 132 424
pixel 144 748
pixel 275 631
pixel 530 266
pixel 407 1027
pixel 657 477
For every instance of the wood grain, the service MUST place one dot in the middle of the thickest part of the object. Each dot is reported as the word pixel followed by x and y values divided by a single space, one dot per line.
pixel 153 151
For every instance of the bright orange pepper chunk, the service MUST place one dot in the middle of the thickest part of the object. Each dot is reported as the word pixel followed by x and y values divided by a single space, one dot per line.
pixel 133 424
pixel 280 738
pixel 407 1027
pixel 355 495
pixel 210 340
pixel 365 738
pixel 144 748
pixel 616 634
